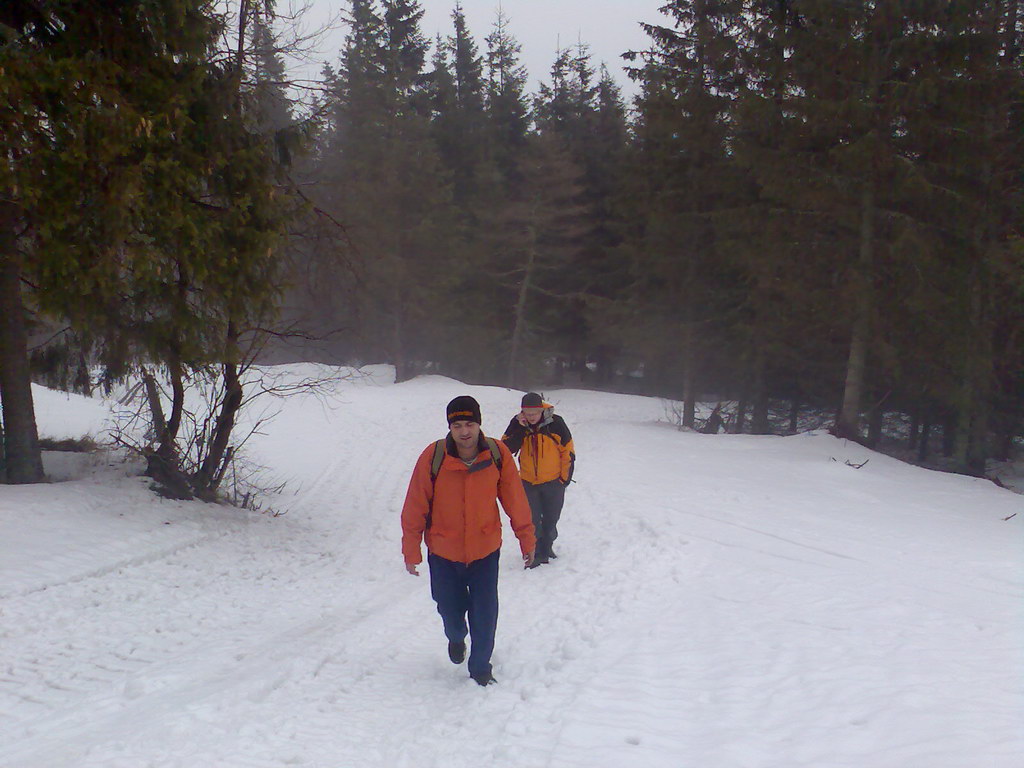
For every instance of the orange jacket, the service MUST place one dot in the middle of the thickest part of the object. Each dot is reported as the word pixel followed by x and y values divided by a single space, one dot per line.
pixel 463 506
pixel 546 451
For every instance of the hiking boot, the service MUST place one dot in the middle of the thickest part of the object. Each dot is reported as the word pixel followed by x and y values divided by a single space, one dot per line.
pixel 551 554
pixel 457 652
pixel 538 560
pixel 485 678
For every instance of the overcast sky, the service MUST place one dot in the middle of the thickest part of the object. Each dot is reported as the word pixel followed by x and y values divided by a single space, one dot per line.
pixel 609 27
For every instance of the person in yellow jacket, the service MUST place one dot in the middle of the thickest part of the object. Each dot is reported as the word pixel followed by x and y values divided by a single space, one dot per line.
pixel 547 459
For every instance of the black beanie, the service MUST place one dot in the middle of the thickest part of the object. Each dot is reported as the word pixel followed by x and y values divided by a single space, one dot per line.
pixel 532 400
pixel 463 408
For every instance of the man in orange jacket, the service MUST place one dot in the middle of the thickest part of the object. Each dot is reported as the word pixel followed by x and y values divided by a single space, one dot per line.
pixel 453 504
pixel 547 459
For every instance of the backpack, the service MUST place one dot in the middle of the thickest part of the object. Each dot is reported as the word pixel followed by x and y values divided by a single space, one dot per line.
pixel 438 460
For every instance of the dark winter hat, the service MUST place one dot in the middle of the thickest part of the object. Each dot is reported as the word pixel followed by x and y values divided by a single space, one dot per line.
pixel 532 400
pixel 463 408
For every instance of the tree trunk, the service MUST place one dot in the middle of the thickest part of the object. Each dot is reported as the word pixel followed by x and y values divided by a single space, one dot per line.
pixel 759 421
pixel 166 429
pixel 924 440
pixel 24 462
pixel 211 471
pixel 848 424
pixel 740 419
pixel 605 365
pixel 794 416
pixel 978 445
pixel 689 388
pixel 177 377
pixel 519 311
pixel 915 428
pixel 403 368
pixel 972 423
pixel 973 426
pixel 875 427
pixel 962 431
pixel 156 408
pixel 1004 446
pixel 948 434
pixel 689 351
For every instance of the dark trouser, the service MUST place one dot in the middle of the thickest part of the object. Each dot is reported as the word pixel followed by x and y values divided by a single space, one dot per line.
pixel 546 505
pixel 459 589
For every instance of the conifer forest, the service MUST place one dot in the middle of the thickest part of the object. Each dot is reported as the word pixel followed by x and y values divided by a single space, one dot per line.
pixel 808 206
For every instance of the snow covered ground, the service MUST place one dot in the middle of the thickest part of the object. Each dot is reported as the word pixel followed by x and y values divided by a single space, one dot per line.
pixel 719 602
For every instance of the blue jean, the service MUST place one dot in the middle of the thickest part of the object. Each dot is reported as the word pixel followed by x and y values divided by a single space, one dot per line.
pixel 546 501
pixel 460 590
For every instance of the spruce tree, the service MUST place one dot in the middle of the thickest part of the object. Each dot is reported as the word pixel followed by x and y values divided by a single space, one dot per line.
pixel 829 87
pixel 442 94
pixel 687 81
pixel 468 129
pixel 271 106
pixel 583 108
pixel 152 221
pixel 605 271
pixel 387 181
pixel 535 236
pixel 968 145
pixel 507 108
pixel 99 92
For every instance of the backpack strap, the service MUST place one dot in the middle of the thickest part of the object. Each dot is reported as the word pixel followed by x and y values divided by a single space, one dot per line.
pixel 438 460
pixel 495 451
pixel 435 468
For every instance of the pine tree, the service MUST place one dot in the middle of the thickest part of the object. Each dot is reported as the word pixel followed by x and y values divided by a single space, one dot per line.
pixel 388 184
pixel 605 271
pixel 585 111
pixel 271 104
pixel 469 127
pixel 151 226
pixel 535 236
pixel 507 109
pixel 857 124
pixel 568 104
pixel 442 94
pixel 687 80
pixel 968 144
pixel 829 87
pixel 99 91
pixel 780 327
pixel 458 119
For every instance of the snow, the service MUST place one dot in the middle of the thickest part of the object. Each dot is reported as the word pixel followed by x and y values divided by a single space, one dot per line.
pixel 719 601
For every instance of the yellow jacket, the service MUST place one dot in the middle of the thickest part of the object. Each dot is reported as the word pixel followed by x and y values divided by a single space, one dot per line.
pixel 545 449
